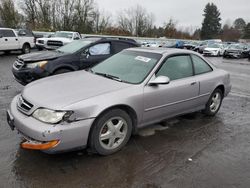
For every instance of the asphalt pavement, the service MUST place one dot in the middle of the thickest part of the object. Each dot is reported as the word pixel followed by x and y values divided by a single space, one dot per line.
pixel 188 151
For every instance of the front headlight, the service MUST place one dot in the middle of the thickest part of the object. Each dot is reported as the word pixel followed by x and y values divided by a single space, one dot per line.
pixel 51 116
pixel 40 64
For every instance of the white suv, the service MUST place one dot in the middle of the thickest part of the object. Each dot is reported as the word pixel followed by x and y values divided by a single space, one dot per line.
pixel 11 40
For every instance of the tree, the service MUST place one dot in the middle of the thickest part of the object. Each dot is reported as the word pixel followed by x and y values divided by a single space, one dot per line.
pixel 9 16
pixel 239 24
pixel 230 33
pixel 135 21
pixel 211 25
pixel 247 32
pixel 170 29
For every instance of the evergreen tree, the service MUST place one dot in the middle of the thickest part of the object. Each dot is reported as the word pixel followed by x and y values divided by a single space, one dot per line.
pixel 211 25
pixel 247 32
pixel 9 16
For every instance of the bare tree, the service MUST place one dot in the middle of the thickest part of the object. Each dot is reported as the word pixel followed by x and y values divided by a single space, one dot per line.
pixel 135 20
pixel 101 21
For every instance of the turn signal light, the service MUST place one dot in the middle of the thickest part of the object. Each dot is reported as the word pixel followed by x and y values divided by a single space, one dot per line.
pixel 39 145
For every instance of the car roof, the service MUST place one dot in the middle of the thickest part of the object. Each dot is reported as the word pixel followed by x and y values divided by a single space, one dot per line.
pixel 160 50
pixel 3 28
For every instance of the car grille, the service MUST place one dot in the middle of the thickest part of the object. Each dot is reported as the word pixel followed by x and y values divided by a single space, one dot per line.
pixel 54 43
pixel 24 105
pixel 18 64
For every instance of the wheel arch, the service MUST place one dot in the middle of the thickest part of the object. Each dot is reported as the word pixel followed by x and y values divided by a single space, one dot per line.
pixel 26 43
pixel 222 88
pixel 63 67
pixel 128 109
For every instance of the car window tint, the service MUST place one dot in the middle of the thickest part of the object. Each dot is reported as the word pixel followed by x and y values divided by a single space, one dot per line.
pixel 119 46
pixel 7 33
pixel 176 67
pixel 100 49
pixel 200 66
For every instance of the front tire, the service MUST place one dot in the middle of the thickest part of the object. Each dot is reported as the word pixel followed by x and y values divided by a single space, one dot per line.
pixel 214 103
pixel 110 132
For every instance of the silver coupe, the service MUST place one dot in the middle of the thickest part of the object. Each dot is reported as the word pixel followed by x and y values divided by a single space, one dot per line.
pixel 100 108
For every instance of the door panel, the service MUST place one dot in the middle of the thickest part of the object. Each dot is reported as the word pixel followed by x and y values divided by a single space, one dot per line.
pixel 176 97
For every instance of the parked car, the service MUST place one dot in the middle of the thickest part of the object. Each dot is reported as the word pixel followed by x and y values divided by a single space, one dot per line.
pixel 190 45
pixel 12 40
pixel 80 54
pixel 201 47
pixel 214 49
pixel 101 108
pixel 60 38
pixel 236 51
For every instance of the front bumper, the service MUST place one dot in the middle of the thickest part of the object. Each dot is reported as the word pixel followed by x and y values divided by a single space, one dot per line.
pixel 211 53
pixel 25 76
pixel 232 54
pixel 71 136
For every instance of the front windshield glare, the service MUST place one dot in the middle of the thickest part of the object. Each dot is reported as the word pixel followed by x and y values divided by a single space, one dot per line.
pixel 128 66
pixel 74 46
pixel 64 35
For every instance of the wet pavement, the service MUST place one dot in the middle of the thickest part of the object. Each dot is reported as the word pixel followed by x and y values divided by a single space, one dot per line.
pixel 189 151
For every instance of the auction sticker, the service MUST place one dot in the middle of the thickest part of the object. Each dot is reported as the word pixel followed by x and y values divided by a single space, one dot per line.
pixel 144 59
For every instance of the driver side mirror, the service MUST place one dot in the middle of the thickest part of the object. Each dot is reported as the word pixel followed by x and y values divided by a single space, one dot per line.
pixel 85 54
pixel 22 33
pixel 1 36
pixel 159 81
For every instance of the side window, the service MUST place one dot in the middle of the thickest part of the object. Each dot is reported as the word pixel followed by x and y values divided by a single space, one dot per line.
pixel 8 33
pixel 176 67
pixel 100 49
pixel 119 46
pixel 200 66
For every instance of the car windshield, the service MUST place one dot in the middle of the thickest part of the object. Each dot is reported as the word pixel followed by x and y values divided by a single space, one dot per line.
pixel 213 45
pixel 74 46
pixel 236 46
pixel 64 34
pixel 128 66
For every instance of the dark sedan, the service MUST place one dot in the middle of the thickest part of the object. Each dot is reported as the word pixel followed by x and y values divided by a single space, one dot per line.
pixel 80 54
pixel 236 51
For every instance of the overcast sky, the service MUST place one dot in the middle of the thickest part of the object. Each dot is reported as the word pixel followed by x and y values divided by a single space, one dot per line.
pixel 185 12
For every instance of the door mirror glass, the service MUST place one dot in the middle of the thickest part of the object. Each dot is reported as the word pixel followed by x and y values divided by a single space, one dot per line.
pixel 159 80
pixel 85 54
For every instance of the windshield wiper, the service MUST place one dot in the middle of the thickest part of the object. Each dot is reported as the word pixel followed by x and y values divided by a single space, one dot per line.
pixel 107 76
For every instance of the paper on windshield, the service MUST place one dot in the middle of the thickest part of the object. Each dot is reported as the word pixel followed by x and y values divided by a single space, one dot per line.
pixel 141 58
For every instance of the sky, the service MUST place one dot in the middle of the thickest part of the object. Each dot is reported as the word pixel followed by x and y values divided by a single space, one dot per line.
pixel 187 13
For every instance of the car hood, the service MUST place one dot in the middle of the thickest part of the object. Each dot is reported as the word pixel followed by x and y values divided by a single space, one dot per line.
pixel 65 40
pixel 39 56
pixel 63 90
pixel 233 50
pixel 211 49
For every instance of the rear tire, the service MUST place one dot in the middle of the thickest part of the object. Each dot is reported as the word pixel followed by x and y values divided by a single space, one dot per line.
pixel 214 103
pixel 110 132
pixel 26 49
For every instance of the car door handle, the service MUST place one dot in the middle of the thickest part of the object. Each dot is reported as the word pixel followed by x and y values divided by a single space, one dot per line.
pixel 193 83
pixel 16 39
pixel 6 39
